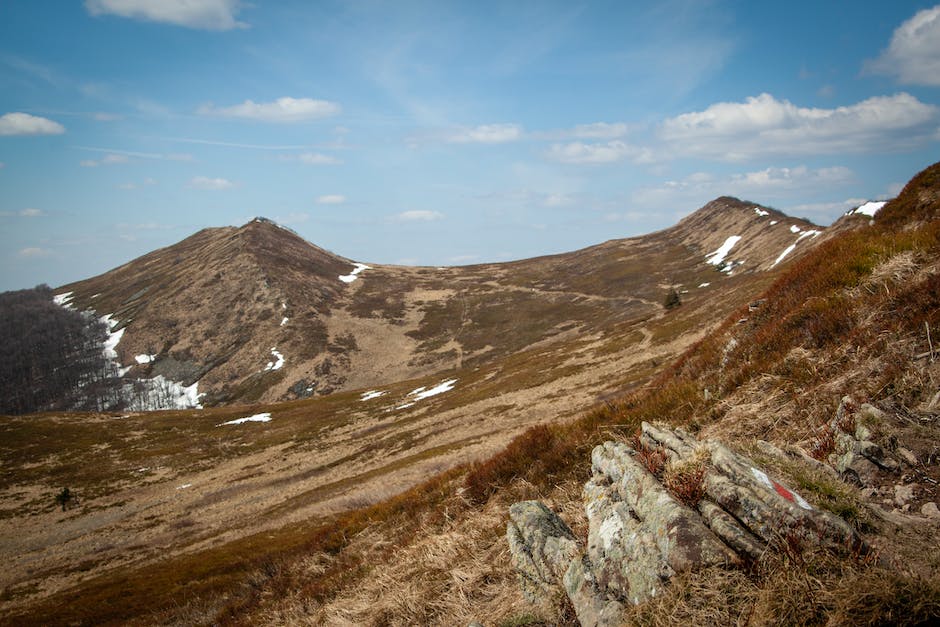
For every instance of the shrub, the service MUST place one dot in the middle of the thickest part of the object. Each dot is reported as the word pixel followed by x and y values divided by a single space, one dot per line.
pixel 672 299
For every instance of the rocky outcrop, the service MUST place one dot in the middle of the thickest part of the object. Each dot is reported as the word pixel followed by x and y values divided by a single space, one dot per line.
pixel 669 504
pixel 857 458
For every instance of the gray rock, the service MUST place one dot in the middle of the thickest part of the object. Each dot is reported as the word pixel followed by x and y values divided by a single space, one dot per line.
pixel 545 555
pixel 680 534
pixel 857 469
pixel 869 414
pixel 908 457
pixel 930 510
pixel 542 547
pixel 640 535
pixel 903 494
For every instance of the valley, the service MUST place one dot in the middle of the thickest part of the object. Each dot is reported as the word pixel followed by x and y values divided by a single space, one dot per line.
pixel 433 368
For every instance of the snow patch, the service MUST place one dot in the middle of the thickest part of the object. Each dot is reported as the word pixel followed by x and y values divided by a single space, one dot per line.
pixel 284 321
pixel 760 212
pixel 422 393
pixel 704 284
pixel 794 228
pixel 719 255
pixel 263 417
pixel 184 486
pixel 869 208
pixel 161 393
pixel 787 251
pixel 110 344
pixel 352 276
pixel 145 359
pixel 773 222
pixel 279 360
pixel 63 300
pixel 808 234
pixel 368 396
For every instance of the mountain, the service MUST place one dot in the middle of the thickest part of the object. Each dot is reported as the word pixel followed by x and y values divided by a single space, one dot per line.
pixel 430 369
pixel 258 314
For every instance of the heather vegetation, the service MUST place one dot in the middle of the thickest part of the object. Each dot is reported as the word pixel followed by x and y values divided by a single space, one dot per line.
pixel 857 316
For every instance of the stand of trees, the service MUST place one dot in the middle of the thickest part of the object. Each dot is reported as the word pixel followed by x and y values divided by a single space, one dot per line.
pixel 50 357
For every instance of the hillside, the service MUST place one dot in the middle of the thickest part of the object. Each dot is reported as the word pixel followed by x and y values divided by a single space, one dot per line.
pixel 852 323
pixel 191 504
pixel 258 314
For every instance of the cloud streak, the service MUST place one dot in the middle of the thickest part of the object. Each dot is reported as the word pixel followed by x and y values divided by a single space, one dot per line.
pixel 211 184
pixel 217 15
pixel 485 134
pixel 284 110
pixel 331 199
pixel 418 215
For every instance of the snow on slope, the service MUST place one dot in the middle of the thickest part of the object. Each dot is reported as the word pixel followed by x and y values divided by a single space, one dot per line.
pixel 422 393
pixel 352 276
pixel 139 394
pixel 789 249
pixel 869 208
pixel 263 417
pixel 717 257
pixel 279 360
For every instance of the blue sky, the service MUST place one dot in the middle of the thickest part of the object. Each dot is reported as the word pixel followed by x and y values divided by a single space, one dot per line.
pixel 441 132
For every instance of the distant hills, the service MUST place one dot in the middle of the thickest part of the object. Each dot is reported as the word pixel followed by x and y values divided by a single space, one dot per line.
pixel 256 313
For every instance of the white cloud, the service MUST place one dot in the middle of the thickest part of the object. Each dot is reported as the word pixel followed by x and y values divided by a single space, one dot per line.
pixel 109 159
pixel 760 185
pixel 33 252
pixel 331 199
pixel 824 210
pixel 32 212
pixel 204 182
pixel 281 110
pixel 315 158
pixel 419 215
pixel 598 130
pixel 913 56
pixel 201 14
pixel 789 178
pixel 763 125
pixel 486 134
pixel 25 124
pixel 605 152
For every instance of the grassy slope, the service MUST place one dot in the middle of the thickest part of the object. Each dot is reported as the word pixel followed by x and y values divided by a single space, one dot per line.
pixel 849 318
pixel 839 321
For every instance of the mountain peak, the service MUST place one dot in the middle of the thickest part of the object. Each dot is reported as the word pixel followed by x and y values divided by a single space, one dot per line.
pixel 749 234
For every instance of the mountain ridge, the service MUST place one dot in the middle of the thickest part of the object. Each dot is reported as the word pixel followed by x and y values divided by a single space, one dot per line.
pixel 220 305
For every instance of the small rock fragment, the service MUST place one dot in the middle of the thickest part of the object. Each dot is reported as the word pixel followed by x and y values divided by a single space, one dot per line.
pixel 903 494
pixel 930 510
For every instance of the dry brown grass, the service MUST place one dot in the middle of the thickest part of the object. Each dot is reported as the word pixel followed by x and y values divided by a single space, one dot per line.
pixel 813 589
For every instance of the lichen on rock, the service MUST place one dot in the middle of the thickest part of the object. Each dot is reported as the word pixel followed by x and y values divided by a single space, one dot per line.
pixel 640 534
